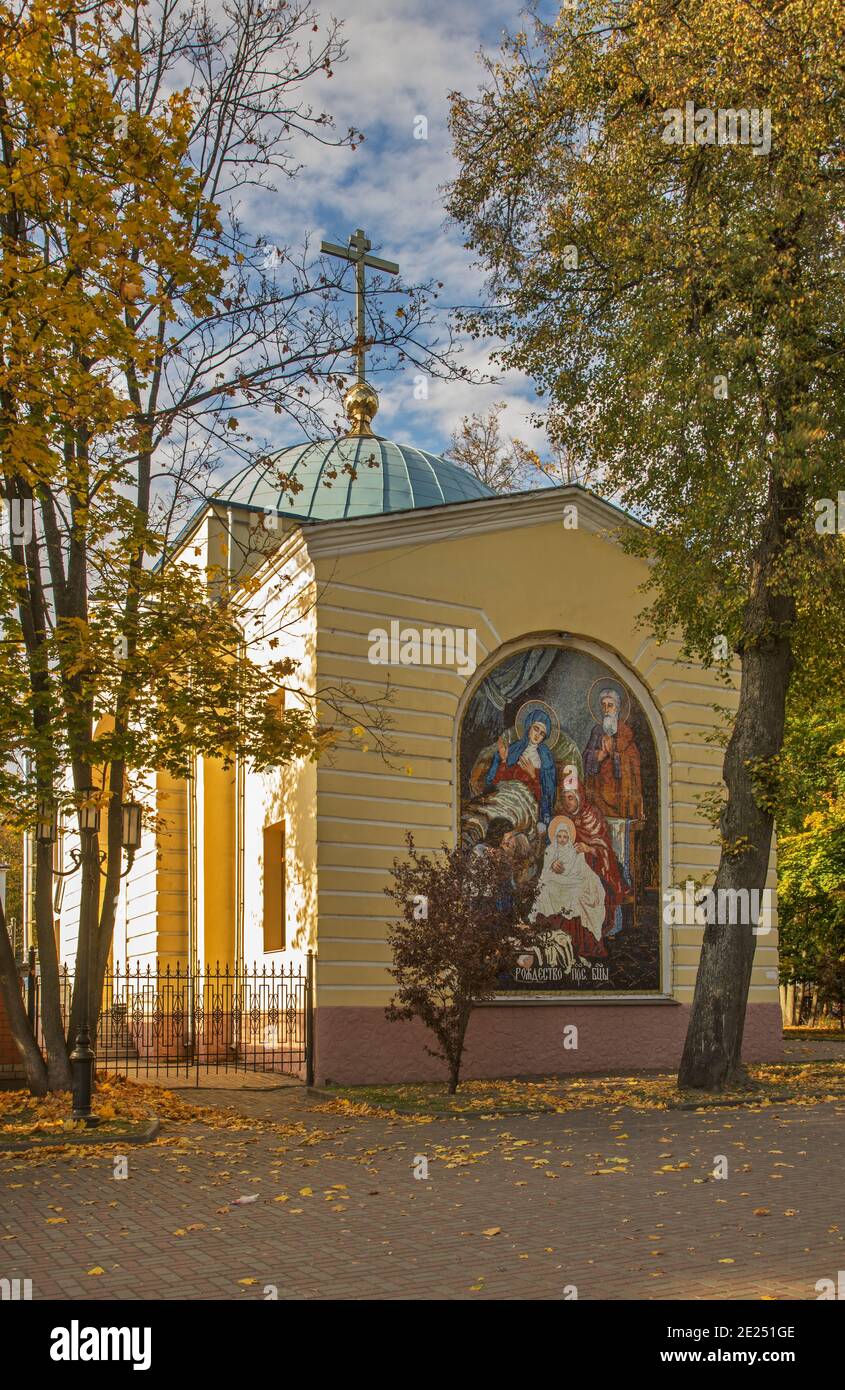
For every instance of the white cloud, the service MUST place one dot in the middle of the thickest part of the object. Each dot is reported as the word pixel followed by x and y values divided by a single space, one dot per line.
pixel 403 58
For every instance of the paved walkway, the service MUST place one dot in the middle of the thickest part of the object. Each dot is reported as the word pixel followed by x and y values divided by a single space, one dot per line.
pixel 189 1085
pixel 618 1204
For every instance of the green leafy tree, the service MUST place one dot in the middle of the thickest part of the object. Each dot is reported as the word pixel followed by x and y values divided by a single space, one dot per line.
pixel 680 306
pixel 811 821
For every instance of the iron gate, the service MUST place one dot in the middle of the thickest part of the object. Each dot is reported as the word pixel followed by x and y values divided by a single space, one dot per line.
pixel 214 1018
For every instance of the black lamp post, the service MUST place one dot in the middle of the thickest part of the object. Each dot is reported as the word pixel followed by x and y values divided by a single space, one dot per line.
pixel 82 1061
pixel 83 1057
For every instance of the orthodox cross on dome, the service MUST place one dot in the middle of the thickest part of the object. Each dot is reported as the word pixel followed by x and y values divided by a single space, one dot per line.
pixel 361 401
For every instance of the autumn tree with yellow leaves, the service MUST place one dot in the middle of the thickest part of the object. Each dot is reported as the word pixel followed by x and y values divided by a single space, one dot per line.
pixel 656 190
pixel 143 331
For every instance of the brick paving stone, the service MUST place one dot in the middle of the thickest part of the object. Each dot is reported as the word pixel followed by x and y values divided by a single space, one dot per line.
pixel 398 1238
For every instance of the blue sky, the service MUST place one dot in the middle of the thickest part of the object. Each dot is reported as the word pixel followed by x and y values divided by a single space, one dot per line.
pixel 403 57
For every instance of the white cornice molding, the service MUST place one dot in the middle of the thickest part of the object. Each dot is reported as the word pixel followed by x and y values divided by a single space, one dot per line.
pixel 424 525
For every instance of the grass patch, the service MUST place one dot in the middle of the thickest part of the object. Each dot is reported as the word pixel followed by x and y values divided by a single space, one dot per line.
pixel 122 1112
pixel 126 1109
pixel 123 1109
pixel 29 1130
pixel 795 1083
pixel 433 1097
pixel 826 1034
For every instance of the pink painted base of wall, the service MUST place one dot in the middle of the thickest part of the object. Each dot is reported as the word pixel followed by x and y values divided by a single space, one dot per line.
pixel 358 1045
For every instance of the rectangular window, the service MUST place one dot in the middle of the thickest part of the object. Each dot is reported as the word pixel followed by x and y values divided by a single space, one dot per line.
pixel 274 887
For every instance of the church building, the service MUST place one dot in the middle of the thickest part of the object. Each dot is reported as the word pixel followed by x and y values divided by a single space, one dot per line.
pixel 492 640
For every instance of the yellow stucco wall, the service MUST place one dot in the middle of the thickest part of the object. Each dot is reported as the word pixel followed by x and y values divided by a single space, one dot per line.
pixel 517 574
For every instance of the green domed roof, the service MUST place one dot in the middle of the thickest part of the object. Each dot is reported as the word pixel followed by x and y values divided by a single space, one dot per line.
pixel 358 475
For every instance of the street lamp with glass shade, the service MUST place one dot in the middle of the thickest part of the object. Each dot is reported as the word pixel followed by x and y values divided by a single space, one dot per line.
pixel 89 810
pixel 46 823
pixel 131 826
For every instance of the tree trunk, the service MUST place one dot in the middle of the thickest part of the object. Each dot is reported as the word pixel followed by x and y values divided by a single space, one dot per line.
pixel 10 991
pixel 455 1056
pixel 52 1025
pixel 712 1057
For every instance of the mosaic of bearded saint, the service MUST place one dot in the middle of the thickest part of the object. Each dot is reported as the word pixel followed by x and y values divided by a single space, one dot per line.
pixel 612 763
pixel 613 778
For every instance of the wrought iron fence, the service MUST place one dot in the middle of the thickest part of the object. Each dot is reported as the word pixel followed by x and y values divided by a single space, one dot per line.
pixel 169 1018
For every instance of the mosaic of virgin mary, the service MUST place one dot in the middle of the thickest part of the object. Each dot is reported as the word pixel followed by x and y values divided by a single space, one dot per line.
pixel 517 778
pixel 558 770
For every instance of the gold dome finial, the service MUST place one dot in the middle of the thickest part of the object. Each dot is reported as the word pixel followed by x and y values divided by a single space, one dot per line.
pixel 360 404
